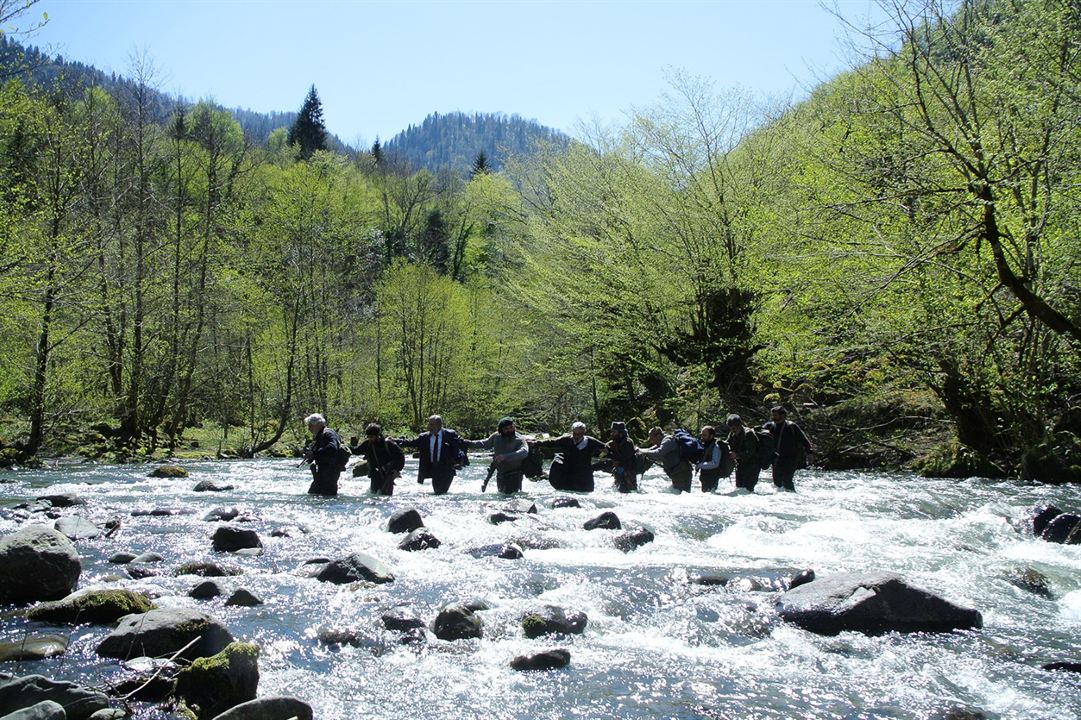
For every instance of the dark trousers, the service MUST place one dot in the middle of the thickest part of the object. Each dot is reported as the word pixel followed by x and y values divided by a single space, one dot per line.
pixel 324 481
pixel 381 483
pixel 574 479
pixel 709 479
pixel 747 477
pixel 509 483
pixel 441 480
pixel 681 477
pixel 783 472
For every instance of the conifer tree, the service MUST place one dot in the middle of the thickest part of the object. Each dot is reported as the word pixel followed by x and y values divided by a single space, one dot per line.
pixel 377 153
pixel 480 165
pixel 309 131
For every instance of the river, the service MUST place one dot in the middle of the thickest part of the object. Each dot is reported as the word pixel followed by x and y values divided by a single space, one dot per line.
pixel 657 645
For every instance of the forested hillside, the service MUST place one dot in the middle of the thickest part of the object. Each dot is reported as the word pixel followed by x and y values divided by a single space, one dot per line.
pixel 895 258
pixel 455 140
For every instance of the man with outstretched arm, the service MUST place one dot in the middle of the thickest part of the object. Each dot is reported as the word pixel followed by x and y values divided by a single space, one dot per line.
pixel 385 460
pixel 744 444
pixel 575 472
pixel 442 454
pixel 710 468
pixel 325 455
pixel 509 451
pixel 665 451
pixel 791 450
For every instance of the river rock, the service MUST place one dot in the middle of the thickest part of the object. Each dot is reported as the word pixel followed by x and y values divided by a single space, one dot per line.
pixel 63 500
pixel 501 516
pixel 122 558
pixel 44 710
pixel 1030 580
pixel 419 539
pixel 147 557
pixel 222 681
pixel 138 572
pixel 522 507
pixel 169 471
pixel 1039 518
pixel 228 538
pixel 1064 529
pixel 212 486
pixel 75 527
pixel 221 514
pixel 457 623
pixel 109 714
pixel 163 632
pixel 504 551
pixel 871 604
pixel 406 520
pixel 633 539
pixel 546 660
pixel 801 578
pixel 98 606
pixel 37 563
pixel 205 590
pixel 401 622
pixel 354 568
pixel 710 580
pixel 553 620
pixel 242 598
pixel 33 647
pixel 79 703
pixel 1067 666
pixel 607 520
pixel 150 679
pixel 205 569
pixel 566 502
pixel 269 708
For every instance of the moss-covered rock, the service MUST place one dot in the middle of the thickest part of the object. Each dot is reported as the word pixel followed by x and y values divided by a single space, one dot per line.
pixel 169 471
pixel 954 460
pixel 93 605
pixel 212 685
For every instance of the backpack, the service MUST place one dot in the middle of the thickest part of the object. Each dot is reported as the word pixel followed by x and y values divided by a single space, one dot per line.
pixel 690 448
pixel 343 454
pixel 767 449
pixel 533 465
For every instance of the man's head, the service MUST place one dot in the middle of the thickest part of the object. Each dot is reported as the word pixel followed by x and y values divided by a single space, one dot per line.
pixel 778 413
pixel 315 422
pixel 656 435
pixel 506 427
pixel 618 430
pixel 578 431
pixel 435 424
pixel 373 432
pixel 708 433
pixel 734 423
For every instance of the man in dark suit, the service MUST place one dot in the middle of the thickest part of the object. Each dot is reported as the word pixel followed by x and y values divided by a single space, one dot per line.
pixel 442 452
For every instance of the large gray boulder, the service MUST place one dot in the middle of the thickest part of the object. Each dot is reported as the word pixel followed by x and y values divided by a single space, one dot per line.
pixel 102 606
pixel 405 520
pixel 269 708
pixel 33 647
pixel 457 623
pixel 164 632
pixel 44 710
pixel 79 703
pixel 37 563
pixel 228 538
pixel 553 620
pixel 546 660
pixel 216 684
pixel 354 568
pixel 871 604
pixel 75 527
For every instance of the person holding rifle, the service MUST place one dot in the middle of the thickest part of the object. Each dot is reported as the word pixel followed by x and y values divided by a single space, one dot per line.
pixel 385 460
pixel 509 453
pixel 325 453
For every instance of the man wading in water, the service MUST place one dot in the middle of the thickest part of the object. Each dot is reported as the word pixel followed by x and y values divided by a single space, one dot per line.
pixel 325 453
pixel 791 448
pixel 385 460
pixel 509 452
pixel 575 472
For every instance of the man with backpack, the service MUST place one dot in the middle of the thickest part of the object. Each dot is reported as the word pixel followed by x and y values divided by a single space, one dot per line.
pixel 509 451
pixel 672 456
pixel 790 448
pixel 327 455
pixel 745 445
pixel 712 466
pixel 385 460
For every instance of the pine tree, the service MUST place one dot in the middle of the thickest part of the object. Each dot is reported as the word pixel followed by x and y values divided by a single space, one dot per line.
pixel 480 165
pixel 377 153
pixel 309 131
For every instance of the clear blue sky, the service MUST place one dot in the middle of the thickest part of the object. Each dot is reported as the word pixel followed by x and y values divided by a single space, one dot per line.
pixel 379 66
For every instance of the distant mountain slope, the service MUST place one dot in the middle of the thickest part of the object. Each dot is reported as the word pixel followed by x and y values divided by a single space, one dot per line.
pixel 38 68
pixel 453 140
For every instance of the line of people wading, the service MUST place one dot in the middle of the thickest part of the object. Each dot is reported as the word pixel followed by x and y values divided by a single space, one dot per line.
pixel 779 444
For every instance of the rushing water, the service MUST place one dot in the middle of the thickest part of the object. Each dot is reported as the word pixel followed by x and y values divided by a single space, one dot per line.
pixel 657 645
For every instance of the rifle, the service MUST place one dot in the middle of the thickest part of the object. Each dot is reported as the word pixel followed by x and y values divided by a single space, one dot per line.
pixel 488 479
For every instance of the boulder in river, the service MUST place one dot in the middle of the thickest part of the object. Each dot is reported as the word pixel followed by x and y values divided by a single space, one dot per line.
pixel 221 514
pixel 419 539
pixel 503 551
pixel 205 590
pixel 222 681
pixel 872 604
pixel 150 679
pixel 633 539
pixel 63 500
pixel 100 606
pixel 553 620
pixel 229 538
pixel 44 710
pixel 37 563
pixel 164 632
pixel 147 557
pixel 405 520
pixel 546 660
pixel 1039 517
pixel 501 516
pixel 269 708
pixel 1064 529
pixel 75 527
pixel 607 520
pixel 79 702
pixel 168 471
pixel 33 647
pixel 122 558
pixel 355 568
pixel 457 623
pixel 242 598
pixel 205 569
pixel 400 621
pixel 801 578
pixel 565 502
pixel 212 486
pixel 1030 580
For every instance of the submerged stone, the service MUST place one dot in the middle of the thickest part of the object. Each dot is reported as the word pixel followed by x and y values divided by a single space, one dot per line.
pixel 546 660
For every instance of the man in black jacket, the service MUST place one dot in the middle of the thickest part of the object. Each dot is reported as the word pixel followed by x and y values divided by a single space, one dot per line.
pixel 575 472
pixel 324 454
pixel 385 460
pixel 791 448
pixel 442 453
